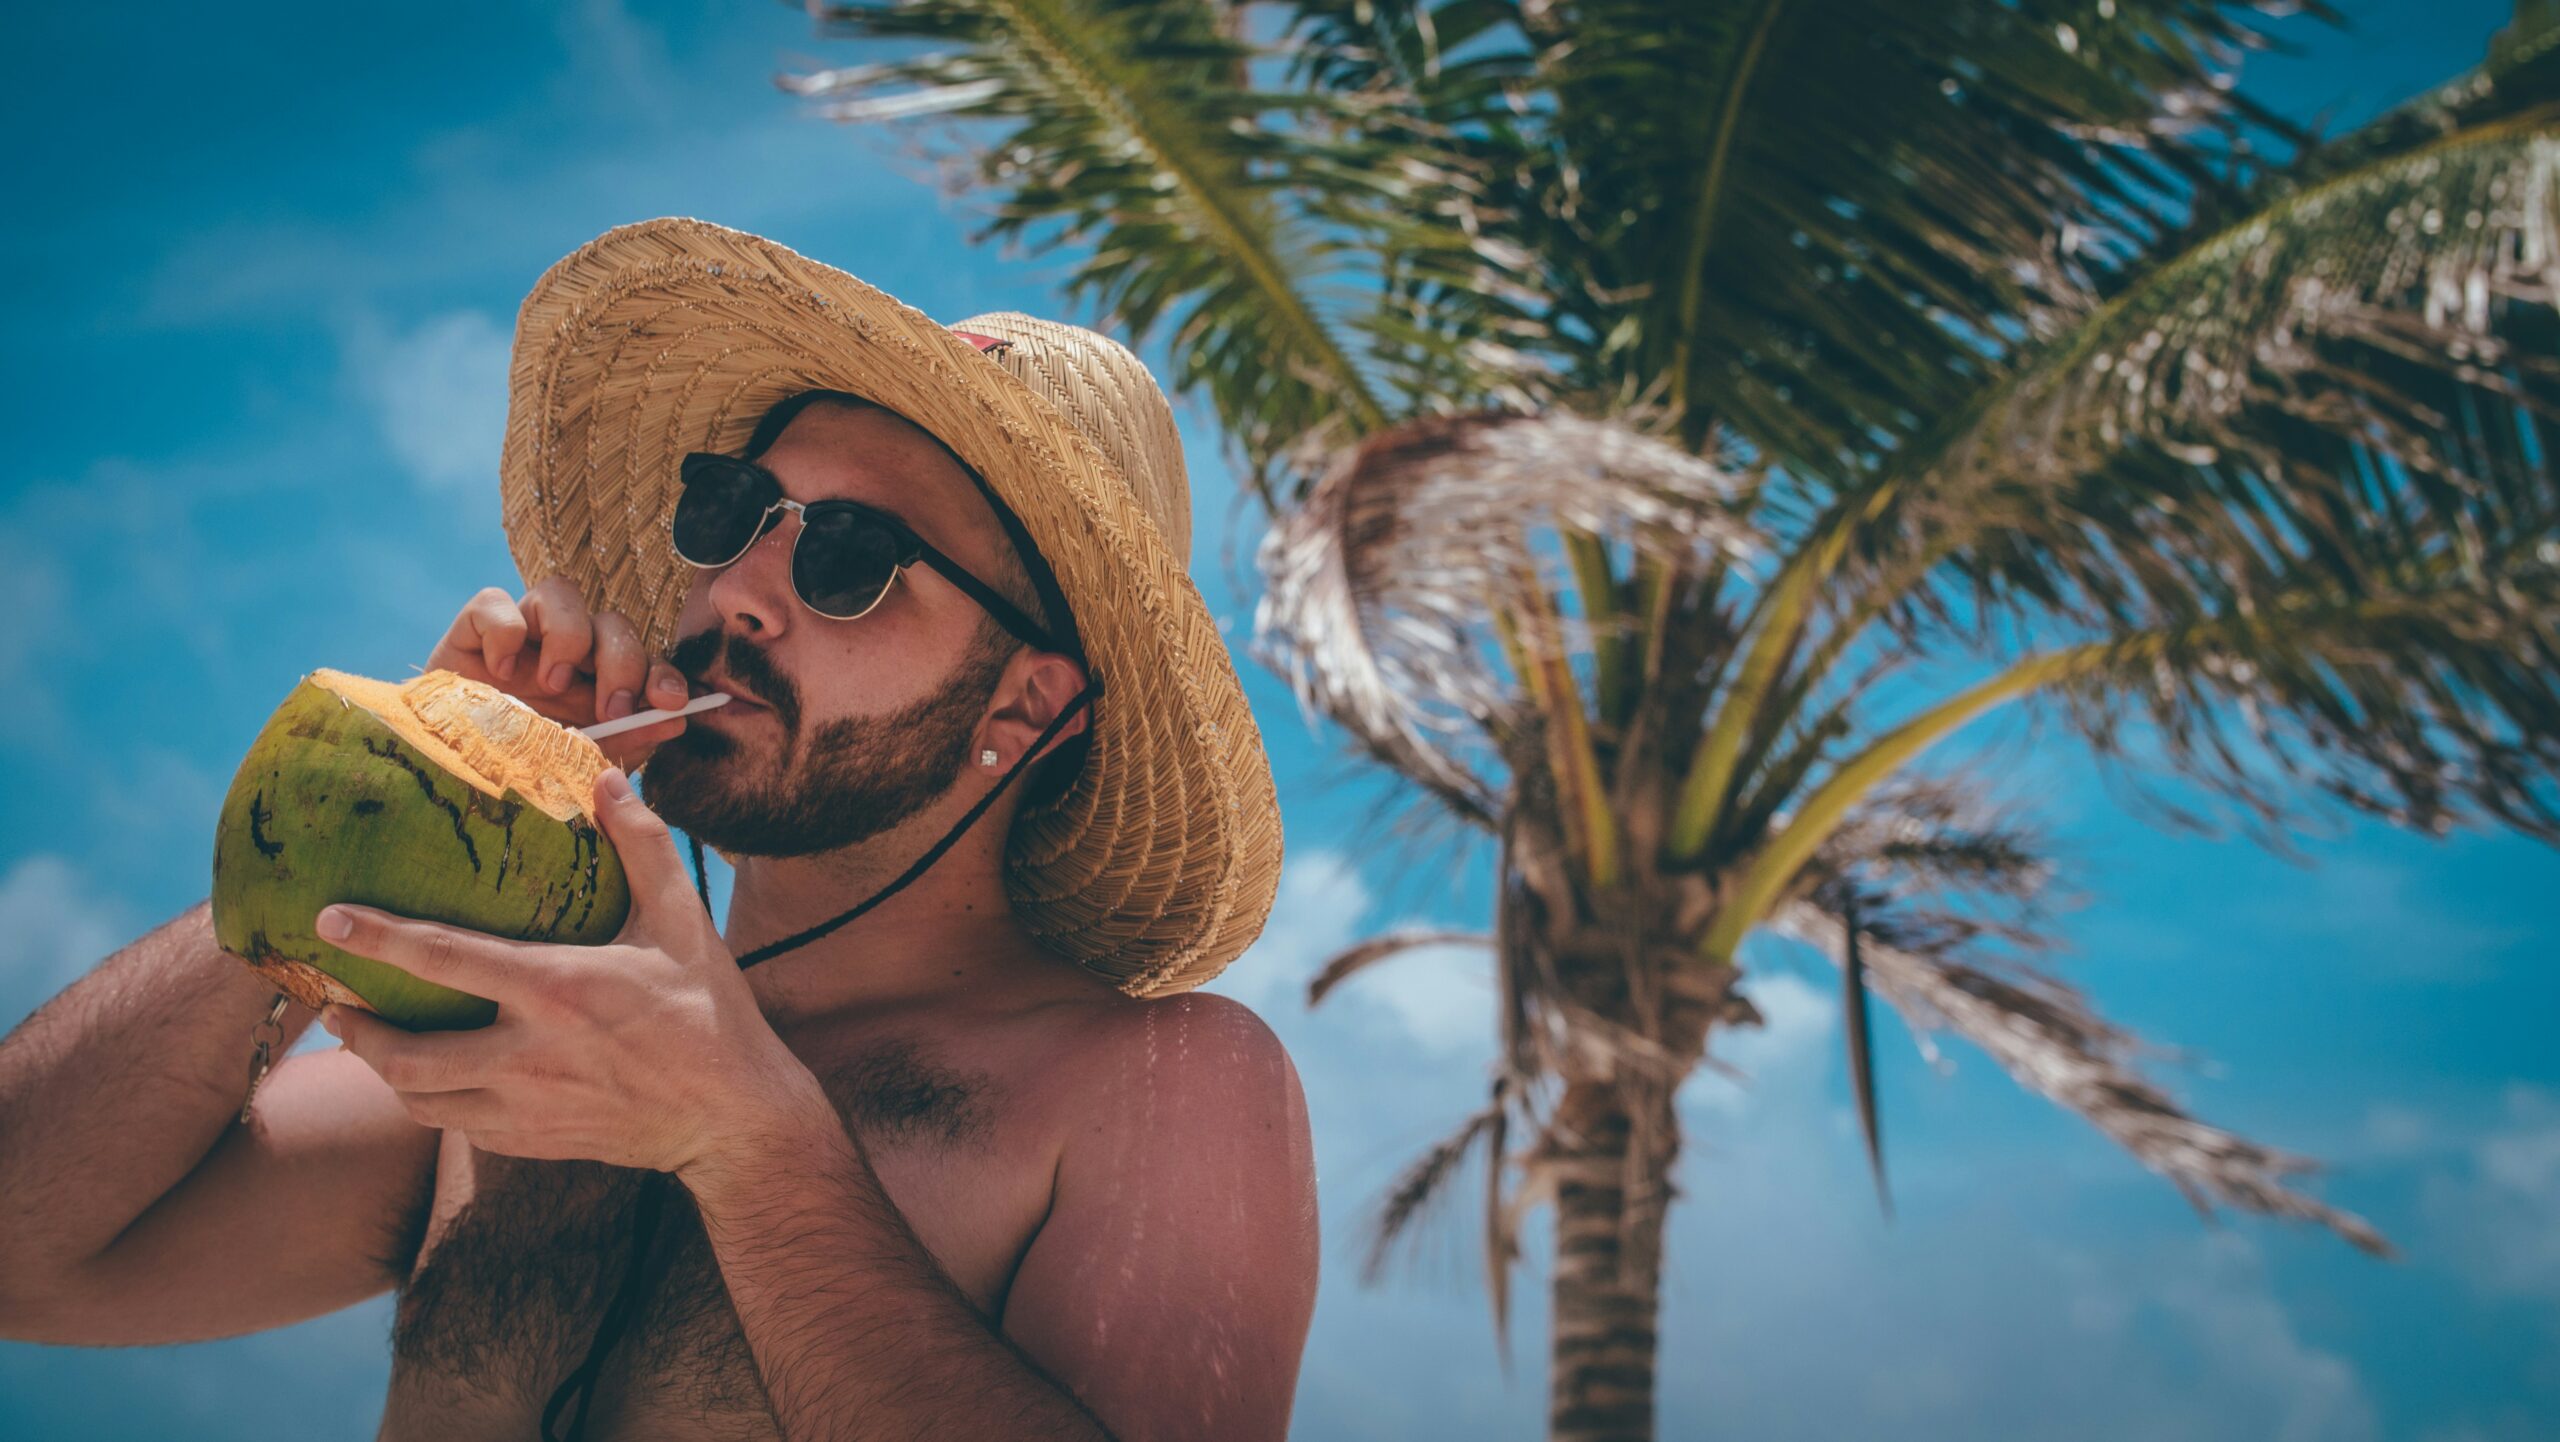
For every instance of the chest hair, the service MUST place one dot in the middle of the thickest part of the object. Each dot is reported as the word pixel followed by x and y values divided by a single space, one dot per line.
pixel 510 1298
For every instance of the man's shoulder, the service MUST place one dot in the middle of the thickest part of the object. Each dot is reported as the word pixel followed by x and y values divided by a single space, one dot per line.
pixel 1194 1057
pixel 1198 1026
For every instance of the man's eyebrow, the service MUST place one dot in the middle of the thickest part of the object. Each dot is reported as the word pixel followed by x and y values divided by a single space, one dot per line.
pixel 893 513
pixel 883 507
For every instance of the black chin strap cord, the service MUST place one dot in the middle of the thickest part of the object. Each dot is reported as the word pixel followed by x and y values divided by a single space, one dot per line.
pixel 581 1382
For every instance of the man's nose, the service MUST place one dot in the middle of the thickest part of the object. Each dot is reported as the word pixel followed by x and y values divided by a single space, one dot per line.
pixel 755 589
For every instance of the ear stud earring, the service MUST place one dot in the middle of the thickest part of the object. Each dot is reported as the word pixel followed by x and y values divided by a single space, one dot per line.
pixel 987 757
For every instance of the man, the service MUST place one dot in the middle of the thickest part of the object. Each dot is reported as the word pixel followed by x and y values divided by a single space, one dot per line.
pixel 969 1159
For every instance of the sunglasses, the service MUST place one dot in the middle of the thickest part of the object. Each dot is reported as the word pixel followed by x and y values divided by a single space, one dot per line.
pixel 845 558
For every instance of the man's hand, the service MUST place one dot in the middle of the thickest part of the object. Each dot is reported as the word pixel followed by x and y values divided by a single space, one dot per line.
pixel 578 669
pixel 649 1052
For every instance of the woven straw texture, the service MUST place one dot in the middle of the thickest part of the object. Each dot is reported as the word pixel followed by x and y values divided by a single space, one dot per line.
pixel 1158 867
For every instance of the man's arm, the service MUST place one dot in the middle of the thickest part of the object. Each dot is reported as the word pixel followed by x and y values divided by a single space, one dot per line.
pixel 113 1091
pixel 119 1228
pixel 1167 1295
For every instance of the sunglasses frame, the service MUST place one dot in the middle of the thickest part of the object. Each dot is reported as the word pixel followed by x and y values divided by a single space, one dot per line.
pixel 911 547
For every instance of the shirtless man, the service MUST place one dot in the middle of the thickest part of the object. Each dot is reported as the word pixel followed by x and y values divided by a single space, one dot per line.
pixel 935 1181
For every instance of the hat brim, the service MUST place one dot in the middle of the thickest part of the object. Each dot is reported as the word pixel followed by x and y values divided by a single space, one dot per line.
pixel 672 335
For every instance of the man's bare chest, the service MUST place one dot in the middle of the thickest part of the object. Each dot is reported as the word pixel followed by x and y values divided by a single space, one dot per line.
pixel 522 1257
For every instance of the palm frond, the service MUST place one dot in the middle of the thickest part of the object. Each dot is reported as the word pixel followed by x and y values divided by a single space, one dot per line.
pixel 2410 258
pixel 1237 217
pixel 2344 397
pixel 2356 380
pixel 1820 228
pixel 2042 1032
pixel 1449 86
pixel 2429 708
pixel 2421 706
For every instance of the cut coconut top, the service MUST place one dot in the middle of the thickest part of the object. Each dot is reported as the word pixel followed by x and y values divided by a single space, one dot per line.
pixel 483 735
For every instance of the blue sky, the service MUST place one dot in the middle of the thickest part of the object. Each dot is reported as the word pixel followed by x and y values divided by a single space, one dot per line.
pixel 264 275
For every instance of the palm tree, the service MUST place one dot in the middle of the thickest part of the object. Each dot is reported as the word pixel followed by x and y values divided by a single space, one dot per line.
pixel 1677 415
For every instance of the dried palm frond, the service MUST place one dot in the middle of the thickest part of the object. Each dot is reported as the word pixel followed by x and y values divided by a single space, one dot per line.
pixel 1920 835
pixel 1378 948
pixel 1416 1191
pixel 1861 1039
pixel 2042 1033
pixel 1421 1183
pixel 1384 584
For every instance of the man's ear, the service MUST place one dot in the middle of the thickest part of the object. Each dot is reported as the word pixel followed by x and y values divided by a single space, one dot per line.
pixel 1036 687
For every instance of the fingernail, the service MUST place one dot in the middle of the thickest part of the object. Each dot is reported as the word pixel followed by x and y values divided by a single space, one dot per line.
pixel 672 686
pixel 506 668
pixel 617 785
pixel 617 704
pixel 557 677
pixel 329 1020
pixel 333 924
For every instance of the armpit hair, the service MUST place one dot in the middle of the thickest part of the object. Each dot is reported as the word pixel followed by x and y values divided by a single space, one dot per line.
pixel 404 1233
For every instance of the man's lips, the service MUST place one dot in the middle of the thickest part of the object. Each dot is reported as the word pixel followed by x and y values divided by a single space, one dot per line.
pixel 738 696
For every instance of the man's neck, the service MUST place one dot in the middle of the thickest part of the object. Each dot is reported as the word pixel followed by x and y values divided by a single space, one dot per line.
pixel 948 932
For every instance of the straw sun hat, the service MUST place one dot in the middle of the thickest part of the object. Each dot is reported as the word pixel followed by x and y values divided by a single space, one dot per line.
pixel 1157 867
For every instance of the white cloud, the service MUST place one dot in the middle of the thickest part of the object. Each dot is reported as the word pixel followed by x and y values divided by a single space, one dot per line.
pixel 1437 998
pixel 1792 1310
pixel 613 54
pixel 2492 1208
pixel 53 929
pixel 31 595
pixel 439 393
pixel 1442 996
pixel 1315 914
pixel 2247 1363
pixel 2392 1129
pixel 2220 1290
pixel 488 213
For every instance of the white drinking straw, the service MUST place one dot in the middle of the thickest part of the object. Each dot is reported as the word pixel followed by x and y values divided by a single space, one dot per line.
pixel 637 719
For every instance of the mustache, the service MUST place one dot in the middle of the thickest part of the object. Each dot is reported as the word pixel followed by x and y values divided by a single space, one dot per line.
pixel 740 659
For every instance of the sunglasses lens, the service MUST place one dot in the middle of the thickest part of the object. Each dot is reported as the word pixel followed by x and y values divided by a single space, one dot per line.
pixel 843 562
pixel 719 511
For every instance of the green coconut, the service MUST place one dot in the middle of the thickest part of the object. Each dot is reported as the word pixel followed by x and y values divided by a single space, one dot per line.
pixel 443 798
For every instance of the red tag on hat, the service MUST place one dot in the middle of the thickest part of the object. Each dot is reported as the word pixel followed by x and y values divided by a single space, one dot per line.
pixel 982 342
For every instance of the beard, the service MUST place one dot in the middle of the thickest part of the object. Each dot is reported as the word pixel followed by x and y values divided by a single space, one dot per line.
pixel 855 776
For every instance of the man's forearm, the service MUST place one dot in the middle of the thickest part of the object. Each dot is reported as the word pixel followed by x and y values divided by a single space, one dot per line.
pixel 113 1091
pixel 856 1329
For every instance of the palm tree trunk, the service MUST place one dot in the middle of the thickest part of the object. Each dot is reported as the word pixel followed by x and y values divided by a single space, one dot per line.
pixel 1612 1193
